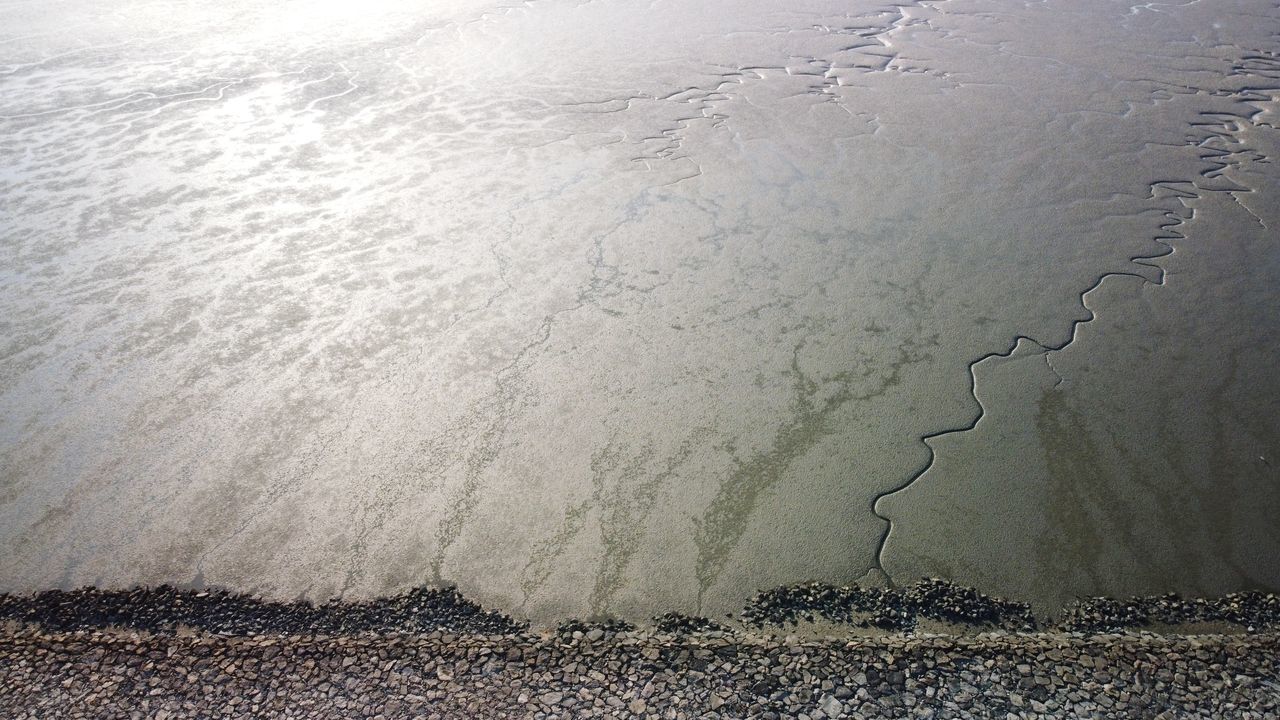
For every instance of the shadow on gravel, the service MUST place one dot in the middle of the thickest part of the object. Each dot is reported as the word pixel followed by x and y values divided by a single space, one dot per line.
pixel 166 609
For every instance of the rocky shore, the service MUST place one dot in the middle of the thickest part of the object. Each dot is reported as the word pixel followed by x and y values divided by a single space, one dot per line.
pixel 809 651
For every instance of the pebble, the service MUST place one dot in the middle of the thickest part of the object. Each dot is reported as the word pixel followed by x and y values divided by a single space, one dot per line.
pixel 165 653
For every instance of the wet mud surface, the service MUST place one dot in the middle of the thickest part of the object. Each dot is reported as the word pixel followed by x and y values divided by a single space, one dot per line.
pixel 616 309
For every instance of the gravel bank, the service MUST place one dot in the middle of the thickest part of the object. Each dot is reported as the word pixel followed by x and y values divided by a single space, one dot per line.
pixel 104 674
pixel 165 653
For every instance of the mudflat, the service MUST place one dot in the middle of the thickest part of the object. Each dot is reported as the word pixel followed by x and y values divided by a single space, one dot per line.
pixel 613 309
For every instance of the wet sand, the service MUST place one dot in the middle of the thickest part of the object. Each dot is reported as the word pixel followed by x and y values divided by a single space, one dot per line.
pixel 606 309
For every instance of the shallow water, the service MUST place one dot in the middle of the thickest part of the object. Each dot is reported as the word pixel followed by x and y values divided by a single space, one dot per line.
pixel 615 308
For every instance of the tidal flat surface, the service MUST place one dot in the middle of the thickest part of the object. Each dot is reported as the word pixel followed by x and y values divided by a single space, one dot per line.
pixel 615 308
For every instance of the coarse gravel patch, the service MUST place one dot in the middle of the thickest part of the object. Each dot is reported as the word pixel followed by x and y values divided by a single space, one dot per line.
pixel 797 652
pixel 638 673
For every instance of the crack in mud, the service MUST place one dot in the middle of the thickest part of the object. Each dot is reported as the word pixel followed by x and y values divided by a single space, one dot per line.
pixel 1221 127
